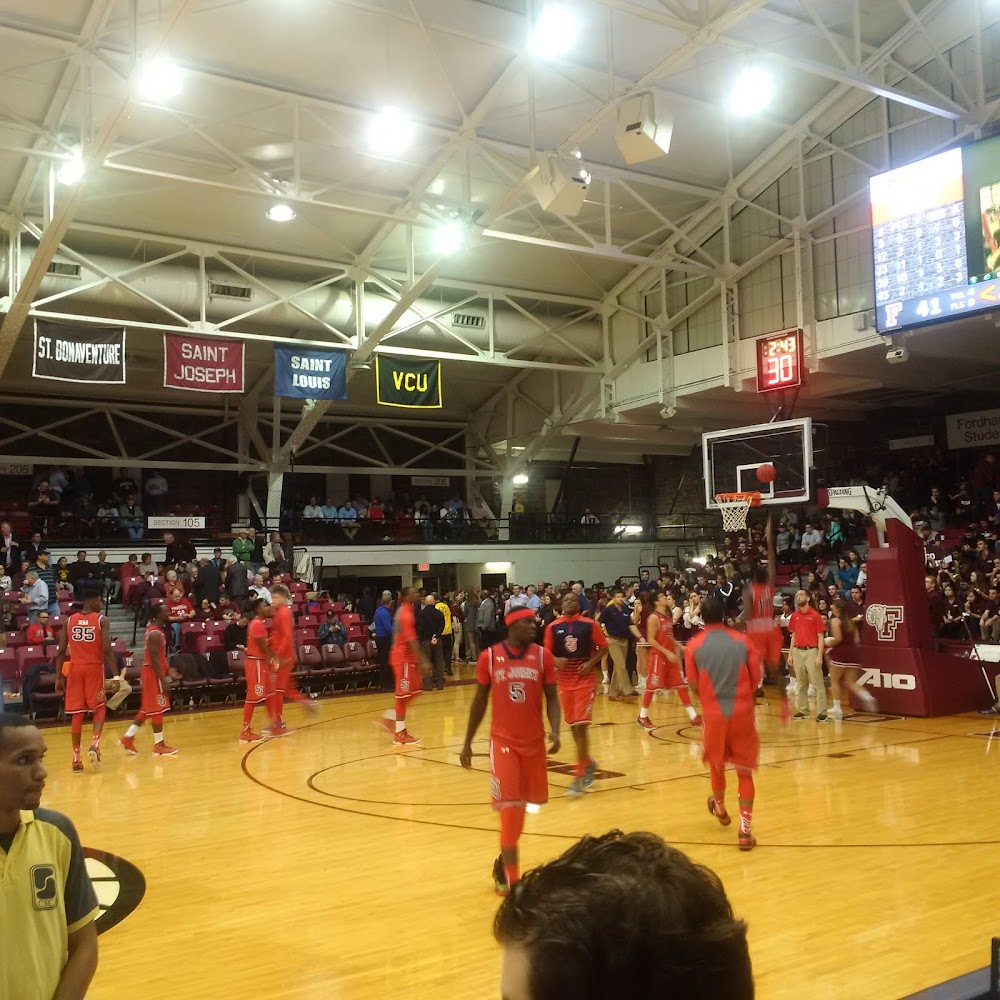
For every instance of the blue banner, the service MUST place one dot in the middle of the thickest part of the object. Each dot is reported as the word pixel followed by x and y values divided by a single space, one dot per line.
pixel 302 374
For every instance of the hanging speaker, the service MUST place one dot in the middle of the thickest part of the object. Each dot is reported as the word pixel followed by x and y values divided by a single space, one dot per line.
pixel 641 134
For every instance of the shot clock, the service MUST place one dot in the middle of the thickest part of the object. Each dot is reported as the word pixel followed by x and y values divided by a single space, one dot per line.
pixel 779 361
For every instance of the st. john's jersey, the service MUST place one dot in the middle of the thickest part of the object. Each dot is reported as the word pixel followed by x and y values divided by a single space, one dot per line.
pixel 576 638
pixel 86 645
pixel 161 661
pixel 517 682
pixel 404 632
pixel 256 637
pixel 281 633
pixel 758 600
pixel 664 633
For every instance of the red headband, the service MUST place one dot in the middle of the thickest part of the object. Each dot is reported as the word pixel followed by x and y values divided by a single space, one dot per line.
pixel 519 614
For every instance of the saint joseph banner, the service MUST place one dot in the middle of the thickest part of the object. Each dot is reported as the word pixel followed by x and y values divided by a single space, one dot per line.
pixel 301 374
pixel 415 385
pixel 202 364
pixel 79 353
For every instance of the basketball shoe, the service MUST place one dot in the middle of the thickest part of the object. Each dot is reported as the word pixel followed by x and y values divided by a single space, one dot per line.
pixel 723 817
pixel 404 739
pixel 127 743
pixel 500 882
pixel 247 735
pixel 94 753
pixel 646 724
pixel 163 750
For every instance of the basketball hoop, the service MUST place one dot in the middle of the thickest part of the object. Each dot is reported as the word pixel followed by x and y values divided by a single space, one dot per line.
pixel 735 507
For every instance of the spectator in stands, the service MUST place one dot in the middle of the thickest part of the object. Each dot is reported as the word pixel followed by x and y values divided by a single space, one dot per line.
pixel 847 575
pixel 692 611
pixel 156 493
pixel 486 620
pixel 935 603
pixel 312 510
pixel 6 580
pixel 585 608
pixel 31 548
pixel 260 589
pixel 235 636
pixel 180 610
pixel 86 517
pixel 812 542
pixel 516 600
pixel 148 565
pixel 82 569
pixel 274 555
pixel 61 573
pixel 178 550
pixel 237 582
pixel 589 517
pixel 329 510
pixel 430 626
pixel 985 479
pixel 227 610
pixel 108 519
pixel 332 631
pixel 34 595
pixel 124 487
pixel 150 589
pixel 102 570
pixel 728 594
pixel 39 630
pixel 256 550
pixel 383 640
pixel 242 546
pixel 42 566
pixel 131 516
pixel 43 503
pixel 936 510
pixel 348 517
pixel 989 622
pixel 954 625
pixel 57 480
pixel 10 551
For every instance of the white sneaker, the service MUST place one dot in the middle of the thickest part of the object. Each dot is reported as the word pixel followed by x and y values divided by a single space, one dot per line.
pixel 792 687
pixel 836 714
pixel 868 701
pixel 812 690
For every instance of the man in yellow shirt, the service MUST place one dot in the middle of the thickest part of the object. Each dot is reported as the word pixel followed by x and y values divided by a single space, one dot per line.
pixel 447 636
pixel 47 903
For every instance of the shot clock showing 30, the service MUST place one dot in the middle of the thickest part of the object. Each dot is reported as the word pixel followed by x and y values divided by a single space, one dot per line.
pixel 779 361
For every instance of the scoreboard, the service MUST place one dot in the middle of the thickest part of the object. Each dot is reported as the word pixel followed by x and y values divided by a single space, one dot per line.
pixel 779 361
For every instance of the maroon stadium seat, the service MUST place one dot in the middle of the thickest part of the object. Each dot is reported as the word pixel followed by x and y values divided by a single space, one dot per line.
pixel 45 697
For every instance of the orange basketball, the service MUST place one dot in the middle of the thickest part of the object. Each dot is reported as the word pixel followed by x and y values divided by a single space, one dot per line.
pixel 766 473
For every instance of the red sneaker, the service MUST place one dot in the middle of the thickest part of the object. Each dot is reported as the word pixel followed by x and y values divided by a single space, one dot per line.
pixel 273 732
pixel 249 736
pixel 164 750
pixel 404 739
pixel 77 762
pixel 723 817
pixel 646 724
pixel 127 743
pixel 747 841
pixel 697 721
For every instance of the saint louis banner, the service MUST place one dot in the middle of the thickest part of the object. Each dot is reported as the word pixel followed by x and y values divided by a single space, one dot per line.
pixel 302 374
pixel 79 353
pixel 415 385
pixel 202 364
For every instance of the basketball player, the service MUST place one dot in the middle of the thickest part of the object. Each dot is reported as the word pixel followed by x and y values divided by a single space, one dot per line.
pixel 155 686
pixel 725 671
pixel 517 671
pixel 283 644
pixel 758 613
pixel 408 666
pixel 85 641
pixel 664 663
pixel 579 646
pixel 261 662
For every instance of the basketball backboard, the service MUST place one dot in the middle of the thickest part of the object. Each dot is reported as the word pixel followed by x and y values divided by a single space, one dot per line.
pixel 732 457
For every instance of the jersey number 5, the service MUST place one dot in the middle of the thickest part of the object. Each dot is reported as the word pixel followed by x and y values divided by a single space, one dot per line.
pixel 516 691
pixel 83 633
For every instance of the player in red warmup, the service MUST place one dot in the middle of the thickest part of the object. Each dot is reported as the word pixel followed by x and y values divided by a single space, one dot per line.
pixel 409 665
pixel 663 671
pixel 283 644
pixel 155 686
pixel 261 662
pixel 517 672
pixel 761 631
pixel 579 646
pixel 725 671
pixel 85 641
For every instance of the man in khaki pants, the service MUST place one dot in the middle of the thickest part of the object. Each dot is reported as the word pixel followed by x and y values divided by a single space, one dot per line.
pixel 807 627
pixel 618 625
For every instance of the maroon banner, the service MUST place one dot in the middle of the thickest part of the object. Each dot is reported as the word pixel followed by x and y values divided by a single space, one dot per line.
pixel 202 364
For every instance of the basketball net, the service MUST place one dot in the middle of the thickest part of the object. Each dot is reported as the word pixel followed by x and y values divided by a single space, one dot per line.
pixel 735 507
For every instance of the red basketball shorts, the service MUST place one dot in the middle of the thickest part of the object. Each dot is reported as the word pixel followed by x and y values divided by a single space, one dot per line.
pixel 576 695
pixel 283 681
pixel 663 674
pixel 154 699
pixel 767 644
pixel 409 681
pixel 731 741
pixel 259 682
pixel 84 689
pixel 518 775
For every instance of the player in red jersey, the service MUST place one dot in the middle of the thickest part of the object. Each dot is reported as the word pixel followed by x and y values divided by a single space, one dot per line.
pixel 261 665
pixel 85 641
pixel 578 645
pixel 725 671
pixel 283 644
pixel 518 672
pixel 409 666
pixel 758 615
pixel 155 686
pixel 663 671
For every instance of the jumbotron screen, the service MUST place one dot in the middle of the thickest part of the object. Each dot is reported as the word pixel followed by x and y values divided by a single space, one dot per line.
pixel 936 237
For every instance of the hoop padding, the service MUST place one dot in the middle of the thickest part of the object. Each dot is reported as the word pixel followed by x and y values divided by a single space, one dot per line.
pixel 735 507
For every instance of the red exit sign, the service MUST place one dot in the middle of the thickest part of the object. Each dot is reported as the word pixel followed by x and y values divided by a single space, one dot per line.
pixel 779 361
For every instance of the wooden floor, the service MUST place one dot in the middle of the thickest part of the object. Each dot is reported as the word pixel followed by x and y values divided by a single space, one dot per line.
pixel 329 865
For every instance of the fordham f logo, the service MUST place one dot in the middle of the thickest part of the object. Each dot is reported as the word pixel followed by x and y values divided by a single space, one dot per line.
pixel 885 619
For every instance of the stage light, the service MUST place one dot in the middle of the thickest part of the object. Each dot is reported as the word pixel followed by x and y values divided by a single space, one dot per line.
pixel 555 32
pixel 450 236
pixel 520 479
pixel 390 132
pixel 159 79
pixel 72 169
pixel 752 92
pixel 280 212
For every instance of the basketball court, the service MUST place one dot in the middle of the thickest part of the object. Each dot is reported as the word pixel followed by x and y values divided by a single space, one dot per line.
pixel 329 865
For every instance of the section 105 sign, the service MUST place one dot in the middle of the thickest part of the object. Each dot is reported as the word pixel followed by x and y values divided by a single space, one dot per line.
pixel 779 361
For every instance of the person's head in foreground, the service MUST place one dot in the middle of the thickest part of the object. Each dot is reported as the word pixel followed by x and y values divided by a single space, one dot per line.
pixel 675 936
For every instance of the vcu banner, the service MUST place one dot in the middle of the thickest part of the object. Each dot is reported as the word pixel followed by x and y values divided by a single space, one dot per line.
pixel 202 364
pixel 411 384
pixel 79 353
pixel 302 374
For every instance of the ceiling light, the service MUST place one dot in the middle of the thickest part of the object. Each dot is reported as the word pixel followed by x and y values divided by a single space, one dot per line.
pixel 159 79
pixel 437 186
pixel 520 479
pixel 450 236
pixel 72 169
pixel 390 132
pixel 497 567
pixel 752 92
pixel 280 212
pixel 556 30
